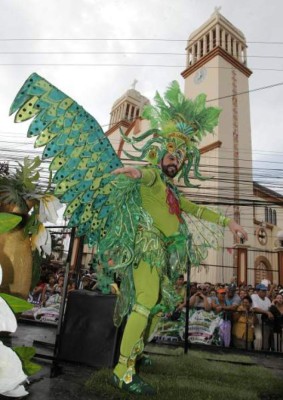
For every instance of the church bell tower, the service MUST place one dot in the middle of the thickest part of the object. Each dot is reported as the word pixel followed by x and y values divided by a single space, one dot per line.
pixel 217 66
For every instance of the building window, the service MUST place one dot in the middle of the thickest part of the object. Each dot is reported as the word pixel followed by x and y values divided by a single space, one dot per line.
pixel 226 41
pixel 270 216
pixel 201 47
pixel 232 47
pixel 263 269
pixel 207 43
pixel 191 60
pixel 274 217
pixel 127 111
pixel 214 38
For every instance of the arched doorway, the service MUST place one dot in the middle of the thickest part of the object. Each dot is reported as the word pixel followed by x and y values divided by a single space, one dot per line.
pixel 263 270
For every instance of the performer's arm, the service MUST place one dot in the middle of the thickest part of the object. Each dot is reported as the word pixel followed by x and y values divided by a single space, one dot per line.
pixel 146 175
pixel 212 216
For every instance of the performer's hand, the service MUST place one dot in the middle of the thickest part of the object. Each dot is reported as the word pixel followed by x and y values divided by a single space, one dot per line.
pixel 131 172
pixel 237 229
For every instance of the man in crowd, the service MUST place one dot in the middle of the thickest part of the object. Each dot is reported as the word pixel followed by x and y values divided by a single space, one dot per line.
pixel 261 304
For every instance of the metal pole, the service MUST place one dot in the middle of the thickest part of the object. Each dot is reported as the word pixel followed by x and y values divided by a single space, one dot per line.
pixel 188 295
pixel 55 370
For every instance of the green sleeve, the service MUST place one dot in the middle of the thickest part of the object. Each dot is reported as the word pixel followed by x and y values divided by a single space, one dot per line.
pixel 203 212
pixel 148 177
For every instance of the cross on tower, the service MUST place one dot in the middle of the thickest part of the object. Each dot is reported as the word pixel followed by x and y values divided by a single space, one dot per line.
pixel 133 85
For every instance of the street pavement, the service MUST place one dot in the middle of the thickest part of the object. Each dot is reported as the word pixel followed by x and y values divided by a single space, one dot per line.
pixel 65 381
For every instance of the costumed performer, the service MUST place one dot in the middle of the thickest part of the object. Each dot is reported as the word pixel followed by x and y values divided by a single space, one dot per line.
pixel 143 227
pixel 164 238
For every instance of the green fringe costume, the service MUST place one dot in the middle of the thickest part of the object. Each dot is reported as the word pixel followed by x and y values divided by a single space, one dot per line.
pixel 159 240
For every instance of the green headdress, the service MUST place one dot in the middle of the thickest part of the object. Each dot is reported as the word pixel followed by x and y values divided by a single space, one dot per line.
pixel 178 125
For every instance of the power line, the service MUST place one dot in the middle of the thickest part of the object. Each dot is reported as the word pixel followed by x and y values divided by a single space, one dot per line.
pixel 118 39
pixel 114 53
pixel 120 65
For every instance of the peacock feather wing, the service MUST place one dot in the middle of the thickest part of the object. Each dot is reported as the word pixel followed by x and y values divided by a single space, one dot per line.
pixel 82 155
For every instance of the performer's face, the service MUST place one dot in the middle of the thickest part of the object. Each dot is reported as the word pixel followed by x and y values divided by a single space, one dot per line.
pixel 170 165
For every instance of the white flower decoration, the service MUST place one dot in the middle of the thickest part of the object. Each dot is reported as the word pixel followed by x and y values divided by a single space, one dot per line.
pixel 11 373
pixel 8 322
pixel 41 240
pixel 48 208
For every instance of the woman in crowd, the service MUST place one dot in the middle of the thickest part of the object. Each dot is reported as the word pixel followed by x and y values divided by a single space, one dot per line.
pixel 243 325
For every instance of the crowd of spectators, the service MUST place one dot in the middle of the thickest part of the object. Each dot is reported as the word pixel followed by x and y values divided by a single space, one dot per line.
pixel 46 296
pixel 242 316
pixel 249 317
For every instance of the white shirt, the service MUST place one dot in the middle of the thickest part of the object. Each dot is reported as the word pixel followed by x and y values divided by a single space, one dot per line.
pixel 258 302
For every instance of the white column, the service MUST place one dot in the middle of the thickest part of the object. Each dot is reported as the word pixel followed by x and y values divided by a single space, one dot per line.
pixel 193 54
pixel 239 51
pixel 223 39
pixel 229 43
pixel 245 55
pixel 190 56
pixel 235 48
pixel 198 50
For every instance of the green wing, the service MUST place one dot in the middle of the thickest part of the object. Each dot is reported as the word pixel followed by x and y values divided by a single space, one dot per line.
pixel 82 155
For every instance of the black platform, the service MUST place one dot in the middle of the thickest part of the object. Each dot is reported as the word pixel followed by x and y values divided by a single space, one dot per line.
pixel 88 334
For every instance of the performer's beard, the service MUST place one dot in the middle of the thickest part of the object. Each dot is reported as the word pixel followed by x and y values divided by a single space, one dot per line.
pixel 170 170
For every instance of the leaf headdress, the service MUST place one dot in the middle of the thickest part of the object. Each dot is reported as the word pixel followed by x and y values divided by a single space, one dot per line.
pixel 178 125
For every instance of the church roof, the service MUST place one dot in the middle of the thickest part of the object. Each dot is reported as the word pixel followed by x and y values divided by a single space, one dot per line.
pixel 215 18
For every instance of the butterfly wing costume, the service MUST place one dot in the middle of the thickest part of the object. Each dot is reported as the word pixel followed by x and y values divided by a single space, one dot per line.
pixel 140 226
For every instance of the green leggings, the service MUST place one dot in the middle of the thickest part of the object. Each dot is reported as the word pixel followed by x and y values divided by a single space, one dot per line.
pixel 139 325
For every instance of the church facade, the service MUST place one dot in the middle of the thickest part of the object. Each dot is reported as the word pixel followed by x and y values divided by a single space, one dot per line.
pixel 216 64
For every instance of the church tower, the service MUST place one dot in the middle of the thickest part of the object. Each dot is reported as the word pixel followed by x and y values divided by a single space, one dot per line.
pixel 128 107
pixel 217 66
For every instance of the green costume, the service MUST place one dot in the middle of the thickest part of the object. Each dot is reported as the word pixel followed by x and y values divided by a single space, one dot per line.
pixel 139 226
pixel 157 268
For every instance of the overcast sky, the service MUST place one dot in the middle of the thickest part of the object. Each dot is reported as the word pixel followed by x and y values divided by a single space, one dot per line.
pixel 96 86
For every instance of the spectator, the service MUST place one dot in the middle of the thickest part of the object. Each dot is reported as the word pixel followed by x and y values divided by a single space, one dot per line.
pixel 48 289
pixel 276 309
pixel 232 298
pixel 199 300
pixel 261 304
pixel 35 296
pixel 242 294
pixel 244 321
pixel 212 295
pixel 180 289
pixel 220 306
pixel 71 285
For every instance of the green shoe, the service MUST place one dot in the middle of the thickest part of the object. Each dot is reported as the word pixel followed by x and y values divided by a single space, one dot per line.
pixel 143 361
pixel 137 386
